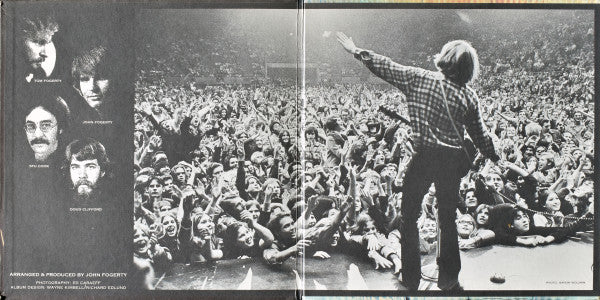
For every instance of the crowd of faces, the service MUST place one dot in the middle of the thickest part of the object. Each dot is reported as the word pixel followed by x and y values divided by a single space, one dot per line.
pixel 226 172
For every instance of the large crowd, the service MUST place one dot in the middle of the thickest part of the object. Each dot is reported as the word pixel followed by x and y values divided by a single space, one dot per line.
pixel 231 172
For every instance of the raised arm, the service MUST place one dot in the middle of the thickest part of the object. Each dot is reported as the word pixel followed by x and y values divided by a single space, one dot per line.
pixel 383 67
pixel 146 111
pixel 514 121
pixel 265 234
pixel 203 111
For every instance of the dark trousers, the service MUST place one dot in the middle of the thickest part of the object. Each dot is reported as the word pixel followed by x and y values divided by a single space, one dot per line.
pixel 442 168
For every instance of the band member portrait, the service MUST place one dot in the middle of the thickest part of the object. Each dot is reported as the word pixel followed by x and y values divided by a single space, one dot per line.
pixel 91 211
pixel 95 76
pixel 441 106
pixel 46 123
pixel 88 168
pixel 36 46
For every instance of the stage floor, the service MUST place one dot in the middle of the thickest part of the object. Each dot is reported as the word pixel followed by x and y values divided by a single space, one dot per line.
pixel 565 266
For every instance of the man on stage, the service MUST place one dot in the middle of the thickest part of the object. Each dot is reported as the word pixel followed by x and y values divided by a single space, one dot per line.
pixel 440 104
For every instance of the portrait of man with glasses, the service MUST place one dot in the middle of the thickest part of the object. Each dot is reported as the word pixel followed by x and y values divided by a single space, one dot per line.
pixel 45 124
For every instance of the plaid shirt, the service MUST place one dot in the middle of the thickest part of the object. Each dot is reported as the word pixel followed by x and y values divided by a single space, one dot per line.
pixel 432 127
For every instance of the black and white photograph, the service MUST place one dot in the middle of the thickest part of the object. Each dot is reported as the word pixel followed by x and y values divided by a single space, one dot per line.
pixel 67 108
pixel 217 154
pixel 468 136
pixel 84 55
pixel 36 51
pixel 450 155
pixel 46 124
pixel 164 149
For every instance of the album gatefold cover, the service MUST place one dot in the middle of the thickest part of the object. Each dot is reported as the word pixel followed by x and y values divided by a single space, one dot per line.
pixel 290 150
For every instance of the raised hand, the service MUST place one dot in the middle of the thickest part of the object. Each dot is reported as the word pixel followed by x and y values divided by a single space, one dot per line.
pixel 153 241
pixel 155 142
pixel 345 206
pixel 370 154
pixel 217 188
pixel 246 217
pixel 240 151
pixel 502 163
pixel 188 204
pixel 174 190
pixel 346 42
pixel 146 108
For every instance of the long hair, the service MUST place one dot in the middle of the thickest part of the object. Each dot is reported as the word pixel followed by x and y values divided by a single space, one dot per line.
pixel 87 149
pixel 100 61
pixel 361 223
pixel 458 61
pixel 481 207
pixel 54 104
pixel 33 26
pixel 275 225
pixel 87 62
pixel 230 247
pixel 173 215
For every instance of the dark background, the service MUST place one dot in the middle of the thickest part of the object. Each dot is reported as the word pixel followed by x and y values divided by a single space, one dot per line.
pixel 39 236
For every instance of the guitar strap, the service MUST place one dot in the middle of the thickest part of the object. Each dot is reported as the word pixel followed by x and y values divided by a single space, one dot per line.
pixel 460 136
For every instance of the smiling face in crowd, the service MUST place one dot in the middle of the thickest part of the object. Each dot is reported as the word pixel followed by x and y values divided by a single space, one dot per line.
pixel 470 199
pixel 429 229
pixel 552 202
pixel 141 240
pixel 465 225
pixel 170 226
pixel 495 181
pixel 245 237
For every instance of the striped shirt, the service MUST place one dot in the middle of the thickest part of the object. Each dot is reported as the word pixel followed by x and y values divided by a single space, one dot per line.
pixel 432 127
